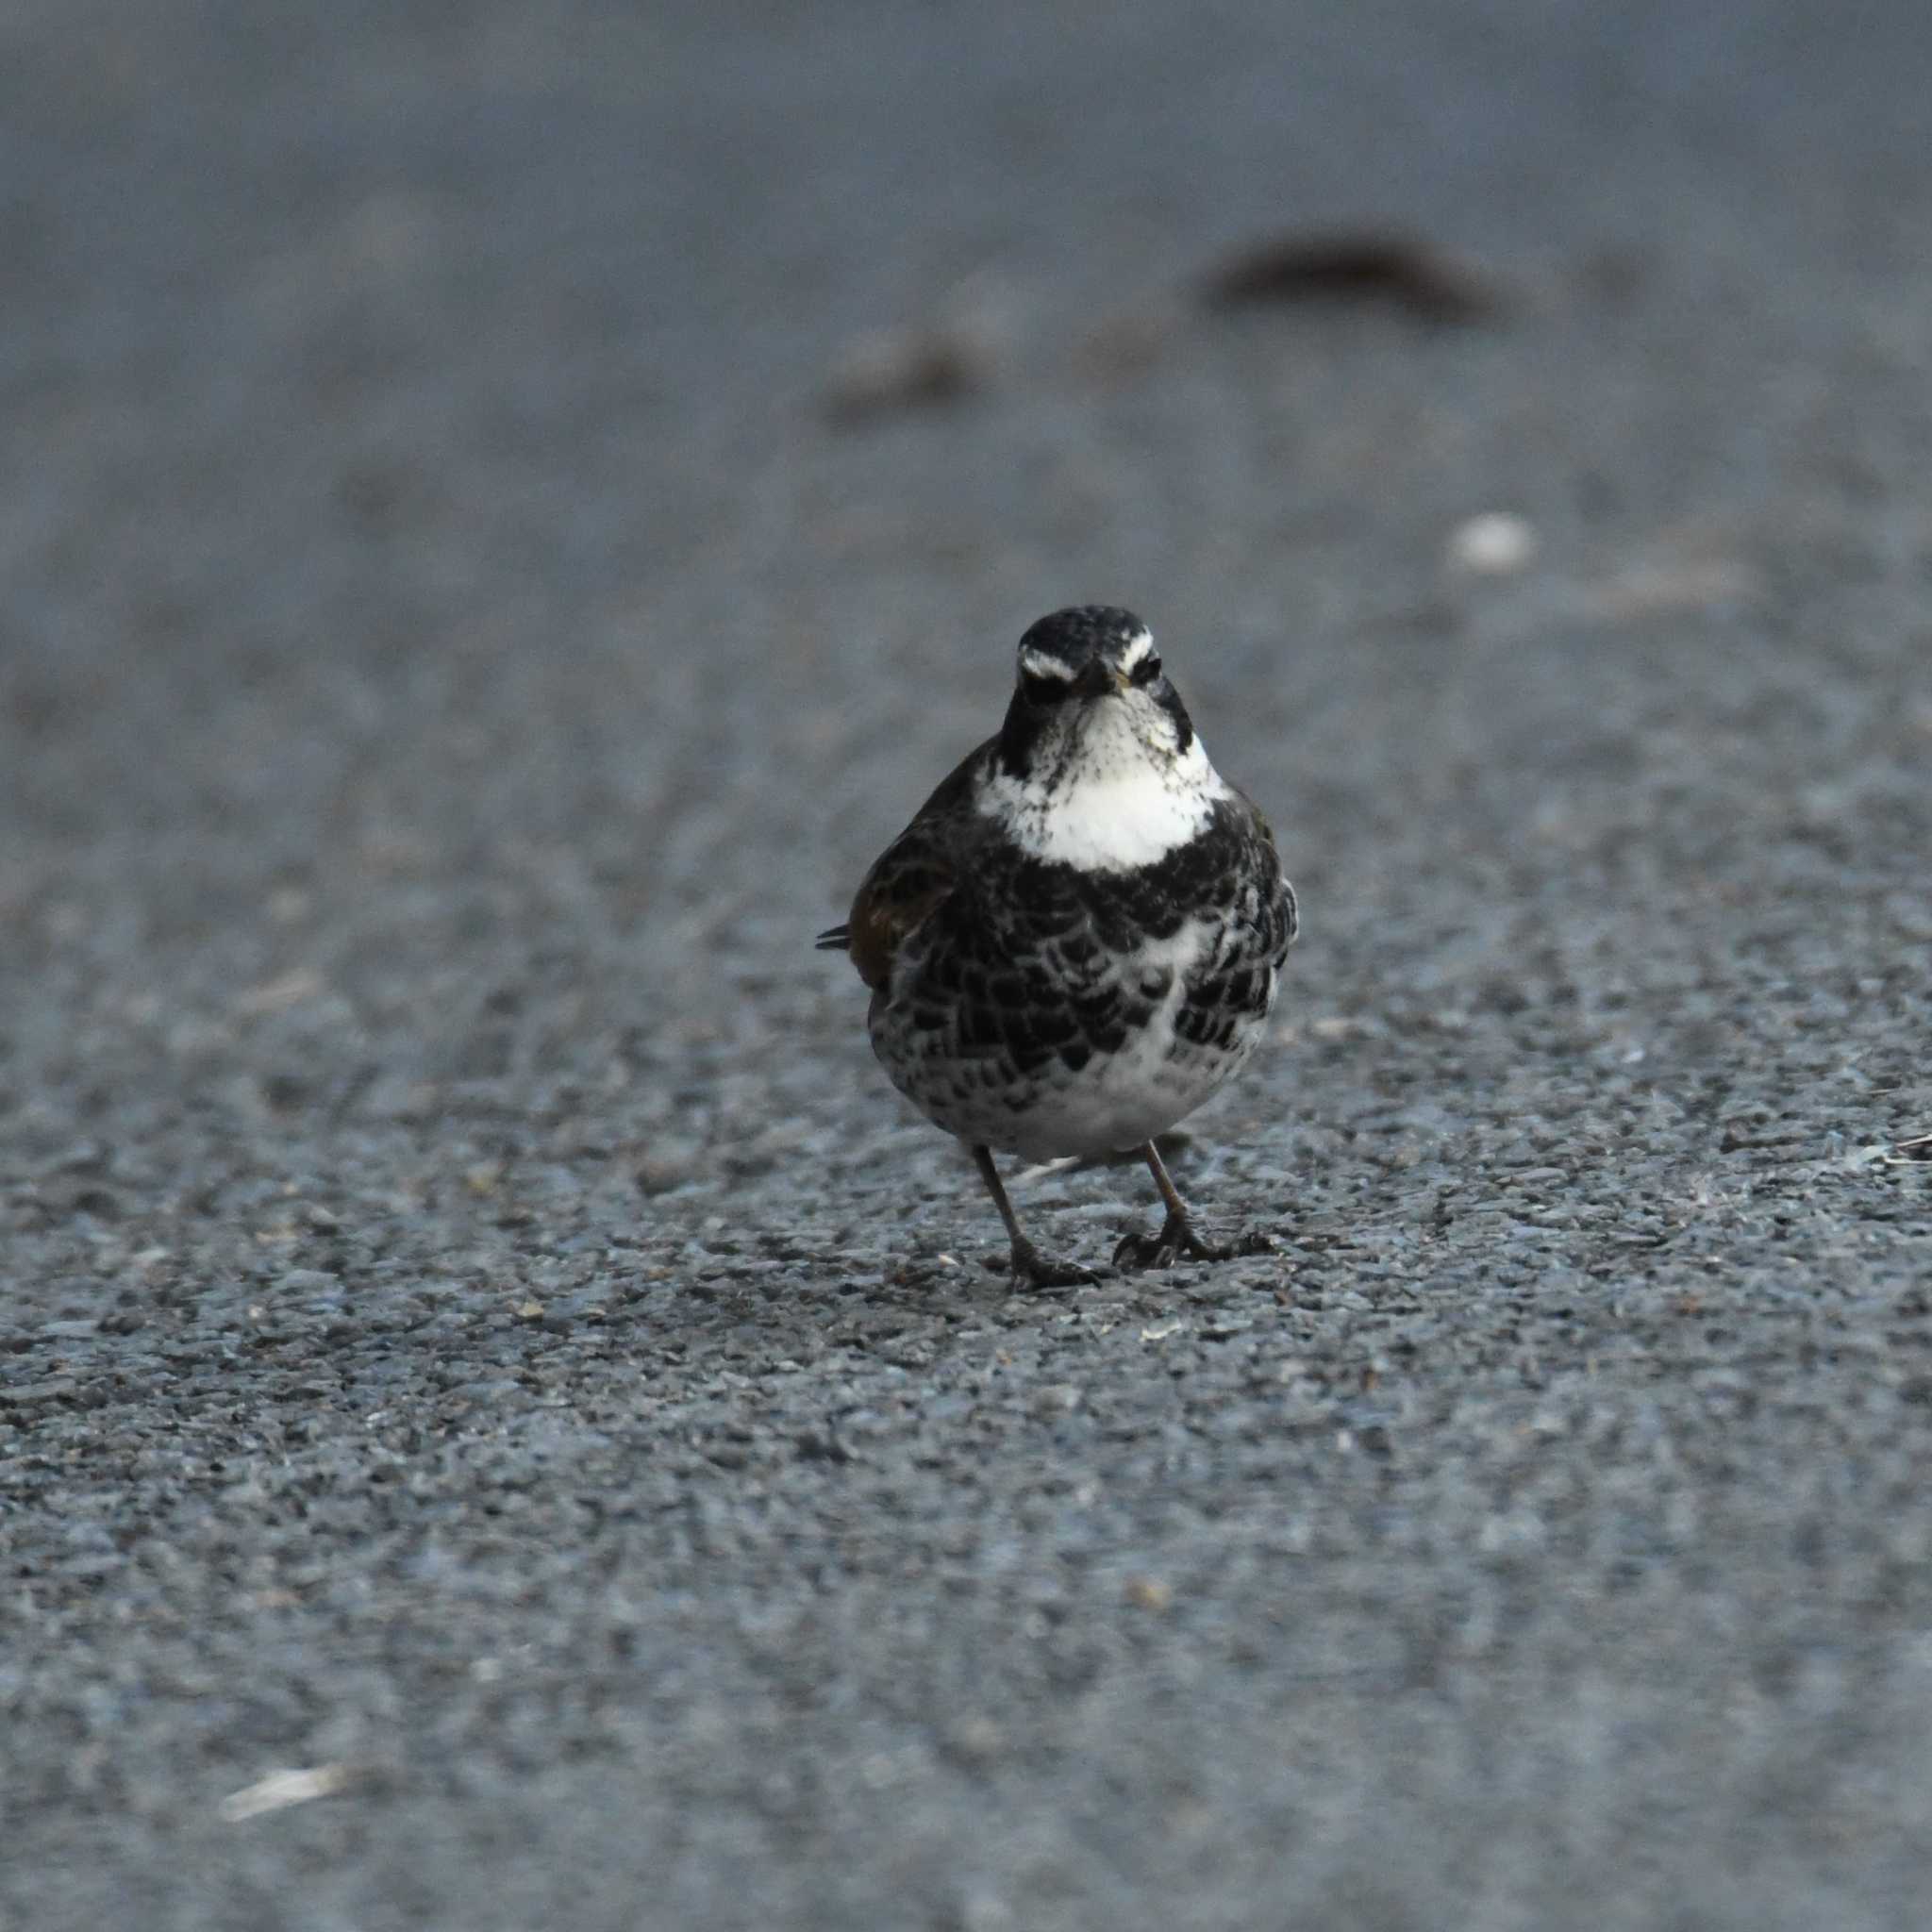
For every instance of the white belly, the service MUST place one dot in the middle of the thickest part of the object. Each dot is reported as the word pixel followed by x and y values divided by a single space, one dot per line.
pixel 1117 1101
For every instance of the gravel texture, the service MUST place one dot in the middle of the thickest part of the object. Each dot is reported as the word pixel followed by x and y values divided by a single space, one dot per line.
pixel 504 510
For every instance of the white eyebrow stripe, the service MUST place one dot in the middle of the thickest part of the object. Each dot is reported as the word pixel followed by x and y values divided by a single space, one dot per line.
pixel 1037 664
pixel 1137 647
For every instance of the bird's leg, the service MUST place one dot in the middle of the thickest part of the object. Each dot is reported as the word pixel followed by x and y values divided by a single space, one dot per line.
pixel 1177 1241
pixel 1031 1269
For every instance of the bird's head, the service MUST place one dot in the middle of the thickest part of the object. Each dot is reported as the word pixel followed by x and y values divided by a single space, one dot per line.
pixel 1090 695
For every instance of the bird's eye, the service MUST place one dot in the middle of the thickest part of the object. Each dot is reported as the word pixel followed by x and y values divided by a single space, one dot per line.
pixel 1042 691
pixel 1146 671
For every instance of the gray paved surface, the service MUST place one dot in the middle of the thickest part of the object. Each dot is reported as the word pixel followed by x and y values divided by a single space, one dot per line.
pixel 476 1325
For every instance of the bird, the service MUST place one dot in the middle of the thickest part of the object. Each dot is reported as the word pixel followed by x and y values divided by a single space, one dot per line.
pixel 1079 936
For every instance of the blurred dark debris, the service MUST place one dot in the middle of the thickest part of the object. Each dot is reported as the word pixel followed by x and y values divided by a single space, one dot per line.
pixel 1355 266
pixel 891 372
pixel 1917 1148
pixel 957 354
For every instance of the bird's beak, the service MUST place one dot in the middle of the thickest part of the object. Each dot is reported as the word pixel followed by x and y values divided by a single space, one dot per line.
pixel 1099 680
pixel 1105 681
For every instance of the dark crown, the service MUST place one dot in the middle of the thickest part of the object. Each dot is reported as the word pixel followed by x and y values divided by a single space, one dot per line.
pixel 1077 636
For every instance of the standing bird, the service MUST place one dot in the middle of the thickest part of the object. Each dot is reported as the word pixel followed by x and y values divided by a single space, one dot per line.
pixel 1077 938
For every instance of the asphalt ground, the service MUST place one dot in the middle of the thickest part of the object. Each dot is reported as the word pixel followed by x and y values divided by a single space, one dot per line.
pixel 503 511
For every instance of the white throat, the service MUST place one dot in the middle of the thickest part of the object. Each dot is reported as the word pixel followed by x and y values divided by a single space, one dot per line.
pixel 1119 797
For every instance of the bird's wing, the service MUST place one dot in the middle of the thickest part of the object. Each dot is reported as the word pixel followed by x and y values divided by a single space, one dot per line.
pixel 914 876
pixel 1255 816
pixel 1285 908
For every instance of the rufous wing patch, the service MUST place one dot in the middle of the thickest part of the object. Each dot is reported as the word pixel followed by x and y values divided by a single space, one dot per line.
pixel 899 894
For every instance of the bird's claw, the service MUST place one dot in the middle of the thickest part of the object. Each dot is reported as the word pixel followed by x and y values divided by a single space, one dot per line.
pixel 1029 1268
pixel 1177 1241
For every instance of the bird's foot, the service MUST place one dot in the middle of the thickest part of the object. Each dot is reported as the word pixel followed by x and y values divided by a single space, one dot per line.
pixel 1029 1268
pixel 1177 1241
